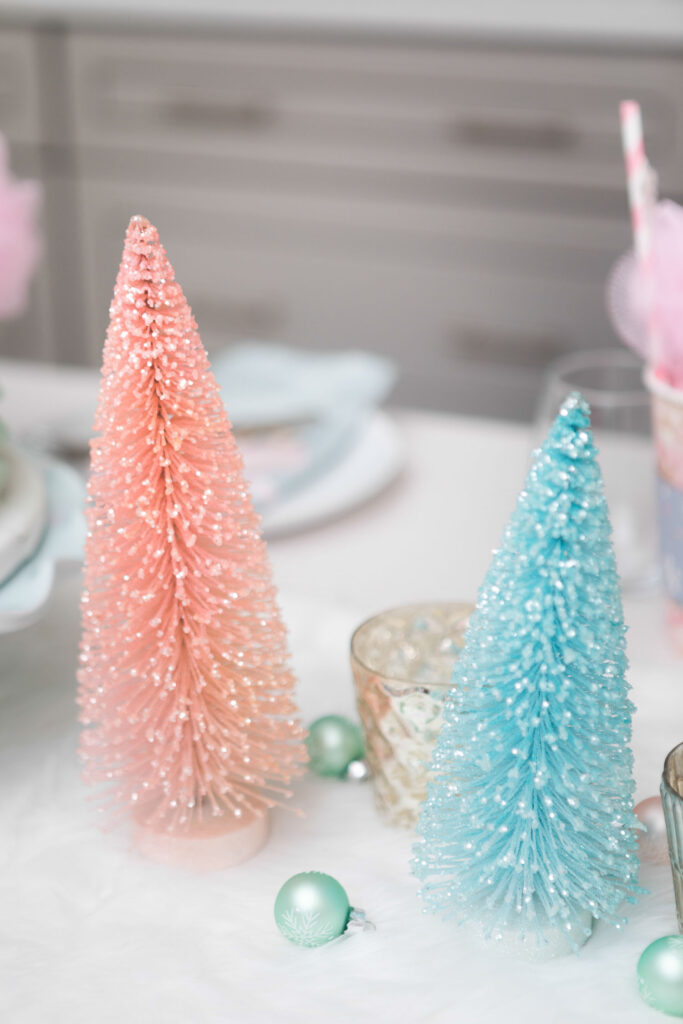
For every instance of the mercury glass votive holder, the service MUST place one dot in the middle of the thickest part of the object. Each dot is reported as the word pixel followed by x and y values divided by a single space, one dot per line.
pixel 402 662
pixel 672 803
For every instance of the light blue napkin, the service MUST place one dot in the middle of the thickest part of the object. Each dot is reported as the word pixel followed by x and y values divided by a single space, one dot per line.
pixel 266 385
pixel 313 402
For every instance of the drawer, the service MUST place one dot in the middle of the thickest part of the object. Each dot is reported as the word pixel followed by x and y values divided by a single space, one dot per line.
pixel 409 116
pixel 289 274
pixel 19 104
pixel 466 236
pixel 30 336
pixel 473 390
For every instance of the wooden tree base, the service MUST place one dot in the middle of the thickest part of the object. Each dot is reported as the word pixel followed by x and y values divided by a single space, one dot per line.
pixel 211 845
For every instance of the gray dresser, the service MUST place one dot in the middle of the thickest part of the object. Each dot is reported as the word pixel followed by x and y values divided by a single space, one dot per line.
pixel 454 203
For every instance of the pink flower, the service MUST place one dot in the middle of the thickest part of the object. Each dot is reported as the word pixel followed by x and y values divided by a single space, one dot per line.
pixel 20 244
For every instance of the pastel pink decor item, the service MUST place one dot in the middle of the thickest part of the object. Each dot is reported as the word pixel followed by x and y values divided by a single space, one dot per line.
pixel 20 244
pixel 185 689
pixel 640 295
pixel 645 302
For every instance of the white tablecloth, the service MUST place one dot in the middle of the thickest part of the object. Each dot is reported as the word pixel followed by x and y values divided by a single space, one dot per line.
pixel 90 933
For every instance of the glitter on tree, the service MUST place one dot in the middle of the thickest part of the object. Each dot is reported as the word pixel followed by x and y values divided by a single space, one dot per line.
pixel 528 823
pixel 185 691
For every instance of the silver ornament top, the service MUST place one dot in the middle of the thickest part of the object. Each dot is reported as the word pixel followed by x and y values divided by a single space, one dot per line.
pixel 358 771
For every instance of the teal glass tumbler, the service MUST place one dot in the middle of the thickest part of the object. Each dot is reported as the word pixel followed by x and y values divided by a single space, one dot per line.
pixel 672 802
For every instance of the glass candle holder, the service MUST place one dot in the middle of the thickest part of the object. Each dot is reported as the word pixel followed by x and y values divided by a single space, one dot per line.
pixel 402 662
pixel 672 802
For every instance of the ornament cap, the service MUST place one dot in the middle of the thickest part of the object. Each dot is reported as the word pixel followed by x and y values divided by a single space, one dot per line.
pixel 358 771
pixel 358 922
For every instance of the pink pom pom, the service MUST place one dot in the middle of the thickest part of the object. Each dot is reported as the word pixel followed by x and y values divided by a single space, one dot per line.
pixel 640 303
pixel 20 244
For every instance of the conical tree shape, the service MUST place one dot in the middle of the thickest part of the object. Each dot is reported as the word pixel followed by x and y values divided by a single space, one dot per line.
pixel 184 688
pixel 528 820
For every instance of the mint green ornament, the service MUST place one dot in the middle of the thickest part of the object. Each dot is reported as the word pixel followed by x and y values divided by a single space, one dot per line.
pixel 333 742
pixel 311 909
pixel 660 975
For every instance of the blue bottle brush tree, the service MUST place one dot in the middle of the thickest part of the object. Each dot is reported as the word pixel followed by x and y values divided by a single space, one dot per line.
pixel 528 822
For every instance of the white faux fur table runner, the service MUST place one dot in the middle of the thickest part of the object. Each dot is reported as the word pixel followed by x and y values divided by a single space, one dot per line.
pixel 90 933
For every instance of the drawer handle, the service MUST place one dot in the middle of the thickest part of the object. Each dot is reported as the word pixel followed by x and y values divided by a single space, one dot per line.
pixel 230 320
pixel 243 116
pixel 544 136
pixel 519 348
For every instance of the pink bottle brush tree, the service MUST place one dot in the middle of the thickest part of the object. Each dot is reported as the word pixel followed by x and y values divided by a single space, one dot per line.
pixel 185 690
pixel 20 245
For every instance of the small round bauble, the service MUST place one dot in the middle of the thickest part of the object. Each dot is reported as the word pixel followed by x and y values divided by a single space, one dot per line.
pixel 660 975
pixel 652 842
pixel 311 909
pixel 333 742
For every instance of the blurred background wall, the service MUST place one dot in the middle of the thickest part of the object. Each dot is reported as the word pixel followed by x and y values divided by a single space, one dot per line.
pixel 440 184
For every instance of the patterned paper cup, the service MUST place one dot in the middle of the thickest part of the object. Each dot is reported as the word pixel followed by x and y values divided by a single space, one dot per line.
pixel 667 428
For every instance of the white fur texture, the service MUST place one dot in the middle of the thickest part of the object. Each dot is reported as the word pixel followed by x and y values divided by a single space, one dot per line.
pixel 90 933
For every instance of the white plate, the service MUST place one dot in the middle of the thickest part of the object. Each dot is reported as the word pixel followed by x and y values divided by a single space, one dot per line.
pixel 25 594
pixel 370 465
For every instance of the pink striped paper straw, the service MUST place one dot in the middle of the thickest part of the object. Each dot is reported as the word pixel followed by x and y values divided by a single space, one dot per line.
pixel 638 177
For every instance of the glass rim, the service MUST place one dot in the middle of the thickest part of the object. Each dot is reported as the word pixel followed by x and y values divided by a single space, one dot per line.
pixel 660 388
pixel 665 781
pixel 467 606
pixel 596 358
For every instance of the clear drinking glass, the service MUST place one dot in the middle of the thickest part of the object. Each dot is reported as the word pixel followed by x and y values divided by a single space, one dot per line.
pixel 611 382
pixel 672 802
pixel 402 663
